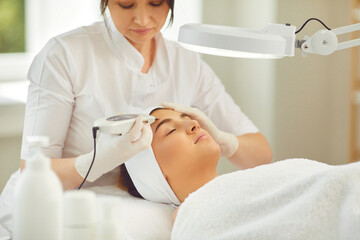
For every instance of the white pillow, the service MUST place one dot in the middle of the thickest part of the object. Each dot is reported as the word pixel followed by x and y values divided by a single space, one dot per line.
pixel 138 218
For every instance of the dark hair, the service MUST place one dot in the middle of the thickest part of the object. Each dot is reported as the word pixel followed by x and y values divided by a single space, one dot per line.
pixel 126 181
pixel 170 3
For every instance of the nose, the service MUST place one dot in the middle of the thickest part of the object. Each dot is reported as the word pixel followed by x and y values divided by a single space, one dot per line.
pixel 141 16
pixel 192 126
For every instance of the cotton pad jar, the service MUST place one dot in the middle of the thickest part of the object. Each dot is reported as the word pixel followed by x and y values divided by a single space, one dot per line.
pixel 79 215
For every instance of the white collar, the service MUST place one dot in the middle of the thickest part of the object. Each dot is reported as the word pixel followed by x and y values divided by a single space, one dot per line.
pixel 131 57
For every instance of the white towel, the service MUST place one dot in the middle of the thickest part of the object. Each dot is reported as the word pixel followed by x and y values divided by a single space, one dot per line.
pixel 290 199
pixel 139 219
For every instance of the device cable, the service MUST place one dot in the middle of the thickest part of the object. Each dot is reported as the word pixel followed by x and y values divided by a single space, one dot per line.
pixel 310 19
pixel 94 130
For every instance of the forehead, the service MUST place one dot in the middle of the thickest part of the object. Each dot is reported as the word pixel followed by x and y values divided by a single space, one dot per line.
pixel 163 113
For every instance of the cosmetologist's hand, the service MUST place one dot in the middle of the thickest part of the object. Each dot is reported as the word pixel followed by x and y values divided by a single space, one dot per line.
pixel 228 142
pixel 113 150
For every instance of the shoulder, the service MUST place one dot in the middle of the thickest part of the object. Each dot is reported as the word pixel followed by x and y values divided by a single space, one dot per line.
pixel 83 35
pixel 76 39
pixel 184 58
pixel 63 47
pixel 184 61
pixel 92 30
pixel 179 53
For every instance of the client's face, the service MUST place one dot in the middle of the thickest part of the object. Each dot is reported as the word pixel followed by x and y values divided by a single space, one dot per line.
pixel 186 153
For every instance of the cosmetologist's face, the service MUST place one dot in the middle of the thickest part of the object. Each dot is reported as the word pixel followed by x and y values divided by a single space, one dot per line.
pixel 139 20
pixel 185 152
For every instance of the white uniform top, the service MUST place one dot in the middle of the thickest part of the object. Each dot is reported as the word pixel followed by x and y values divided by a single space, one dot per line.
pixel 94 71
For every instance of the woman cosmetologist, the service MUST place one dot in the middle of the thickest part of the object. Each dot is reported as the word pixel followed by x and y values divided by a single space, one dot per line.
pixel 123 65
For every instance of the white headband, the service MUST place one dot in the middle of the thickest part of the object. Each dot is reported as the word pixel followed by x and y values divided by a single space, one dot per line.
pixel 148 178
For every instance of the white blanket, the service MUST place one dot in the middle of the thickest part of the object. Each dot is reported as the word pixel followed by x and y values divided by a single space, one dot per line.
pixel 290 199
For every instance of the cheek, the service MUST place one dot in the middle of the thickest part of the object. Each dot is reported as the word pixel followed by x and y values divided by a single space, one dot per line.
pixel 121 24
pixel 170 153
pixel 212 152
pixel 160 15
pixel 120 18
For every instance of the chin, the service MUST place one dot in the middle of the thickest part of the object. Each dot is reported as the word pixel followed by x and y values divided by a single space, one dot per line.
pixel 140 39
pixel 213 151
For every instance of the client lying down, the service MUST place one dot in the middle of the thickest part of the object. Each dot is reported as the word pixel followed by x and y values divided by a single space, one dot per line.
pixel 290 199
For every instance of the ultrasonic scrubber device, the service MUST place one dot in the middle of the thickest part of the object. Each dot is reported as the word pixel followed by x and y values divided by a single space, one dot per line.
pixel 117 125
pixel 120 124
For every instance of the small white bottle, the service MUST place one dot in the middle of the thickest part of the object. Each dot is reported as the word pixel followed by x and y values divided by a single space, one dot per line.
pixel 38 211
pixel 80 215
pixel 108 224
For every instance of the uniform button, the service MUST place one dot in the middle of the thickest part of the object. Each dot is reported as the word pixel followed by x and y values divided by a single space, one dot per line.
pixel 152 85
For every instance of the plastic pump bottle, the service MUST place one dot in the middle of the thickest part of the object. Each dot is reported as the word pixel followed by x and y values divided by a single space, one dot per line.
pixel 38 212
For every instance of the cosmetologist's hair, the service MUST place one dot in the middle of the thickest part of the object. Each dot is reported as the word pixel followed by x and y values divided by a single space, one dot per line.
pixel 170 3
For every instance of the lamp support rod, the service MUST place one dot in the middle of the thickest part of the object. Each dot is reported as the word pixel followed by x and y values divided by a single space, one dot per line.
pixel 344 30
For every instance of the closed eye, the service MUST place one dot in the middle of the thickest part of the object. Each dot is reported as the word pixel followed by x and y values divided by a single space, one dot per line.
pixel 170 132
pixel 126 6
pixel 156 4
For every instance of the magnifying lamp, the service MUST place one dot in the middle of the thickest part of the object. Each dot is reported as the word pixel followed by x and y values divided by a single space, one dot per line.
pixel 272 42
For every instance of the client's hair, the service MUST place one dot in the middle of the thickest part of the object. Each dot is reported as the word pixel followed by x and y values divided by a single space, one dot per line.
pixel 125 181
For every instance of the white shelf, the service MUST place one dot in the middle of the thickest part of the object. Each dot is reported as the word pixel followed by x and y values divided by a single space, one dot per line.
pixel 11 120
pixel 14 66
pixel 12 107
pixel 13 92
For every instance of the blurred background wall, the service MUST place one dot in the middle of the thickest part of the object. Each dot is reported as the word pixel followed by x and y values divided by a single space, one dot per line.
pixel 300 104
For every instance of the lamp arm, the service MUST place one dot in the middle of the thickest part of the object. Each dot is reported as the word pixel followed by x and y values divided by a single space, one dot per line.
pixel 325 42
pixel 344 30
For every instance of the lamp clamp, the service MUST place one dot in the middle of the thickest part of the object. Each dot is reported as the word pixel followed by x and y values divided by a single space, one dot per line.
pixel 325 42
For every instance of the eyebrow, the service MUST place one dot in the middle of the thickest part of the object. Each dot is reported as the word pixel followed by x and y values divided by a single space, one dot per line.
pixel 166 120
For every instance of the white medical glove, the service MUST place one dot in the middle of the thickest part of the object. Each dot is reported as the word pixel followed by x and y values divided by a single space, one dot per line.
pixel 228 142
pixel 113 150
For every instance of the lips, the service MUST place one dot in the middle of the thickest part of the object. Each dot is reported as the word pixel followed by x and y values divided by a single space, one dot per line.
pixel 200 137
pixel 141 30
